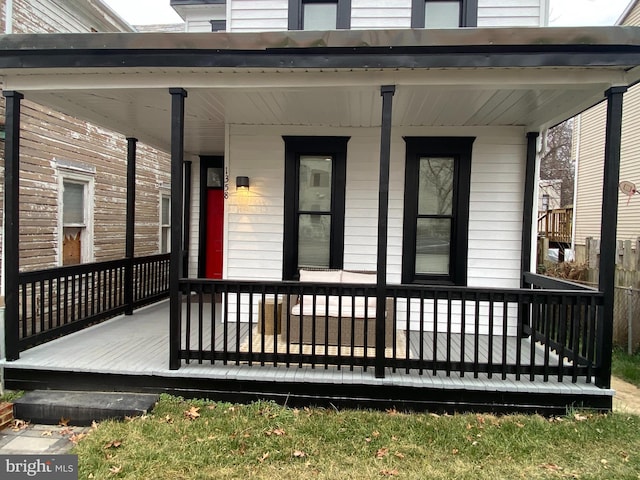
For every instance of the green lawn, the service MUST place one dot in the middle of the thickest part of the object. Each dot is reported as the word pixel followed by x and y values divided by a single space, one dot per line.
pixel 201 440
pixel 626 367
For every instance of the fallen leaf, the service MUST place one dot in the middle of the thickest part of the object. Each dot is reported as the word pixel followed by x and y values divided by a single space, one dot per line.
pixel 625 456
pixel 278 432
pixel 18 425
pixel 66 431
pixel 77 437
pixel 168 419
pixel 551 466
pixel 375 434
pixel 580 418
pixel 368 439
pixel 434 415
pixel 94 425
pixel 299 454
pixel 389 473
pixel 90 475
pixel 192 413
pixel 46 433
pixel 113 444
pixel 115 469
pixel 394 438
pixel 392 411
pixel 603 461
pixel 382 452
pixel 399 455
pixel 455 451
pixel 519 425
pixel 212 407
pixel 264 457
pixel 64 422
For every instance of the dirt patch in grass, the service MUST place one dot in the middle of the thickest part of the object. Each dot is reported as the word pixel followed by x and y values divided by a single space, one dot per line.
pixel 627 397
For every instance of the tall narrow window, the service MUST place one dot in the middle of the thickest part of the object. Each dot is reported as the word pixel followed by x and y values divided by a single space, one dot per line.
pixel 75 207
pixel 315 171
pixel 444 13
pixel 74 221
pixel 165 223
pixel 319 14
pixel 437 181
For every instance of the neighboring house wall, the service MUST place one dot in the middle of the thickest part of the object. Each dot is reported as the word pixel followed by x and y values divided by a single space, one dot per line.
pixel 54 145
pixel 272 15
pixel 588 151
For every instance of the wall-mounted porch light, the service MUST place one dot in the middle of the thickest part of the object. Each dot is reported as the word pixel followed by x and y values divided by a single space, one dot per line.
pixel 242 183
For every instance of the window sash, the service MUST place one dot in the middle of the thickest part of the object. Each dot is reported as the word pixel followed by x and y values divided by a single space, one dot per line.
pixel 468 13
pixel 315 177
pixel 297 14
pixel 73 204
pixel 436 209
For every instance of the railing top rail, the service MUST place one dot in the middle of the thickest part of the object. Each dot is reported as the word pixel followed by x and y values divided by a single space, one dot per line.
pixel 554 283
pixel 293 287
pixel 70 270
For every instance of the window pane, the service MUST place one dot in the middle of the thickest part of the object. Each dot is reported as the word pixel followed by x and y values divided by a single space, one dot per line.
pixel 435 195
pixel 433 236
pixel 73 203
pixel 314 240
pixel 442 14
pixel 315 184
pixel 320 16
pixel 166 210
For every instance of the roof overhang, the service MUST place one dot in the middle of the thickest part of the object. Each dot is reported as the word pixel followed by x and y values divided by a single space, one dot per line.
pixel 529 77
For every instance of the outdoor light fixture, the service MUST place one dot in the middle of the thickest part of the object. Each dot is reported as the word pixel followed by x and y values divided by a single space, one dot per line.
pixel 242 183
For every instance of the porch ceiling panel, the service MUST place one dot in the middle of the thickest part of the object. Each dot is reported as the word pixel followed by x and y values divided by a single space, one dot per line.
pixel 145 112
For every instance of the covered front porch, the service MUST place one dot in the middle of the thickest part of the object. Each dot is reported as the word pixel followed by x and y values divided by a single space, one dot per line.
pixel 454 317
pixel 130 353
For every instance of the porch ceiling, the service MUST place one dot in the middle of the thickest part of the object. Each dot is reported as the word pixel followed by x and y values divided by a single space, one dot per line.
pixel 138 104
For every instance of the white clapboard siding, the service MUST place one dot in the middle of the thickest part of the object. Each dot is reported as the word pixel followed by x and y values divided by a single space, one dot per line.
pixel 258 15
pixel 512 13
pixel 366 14
pixel 194 228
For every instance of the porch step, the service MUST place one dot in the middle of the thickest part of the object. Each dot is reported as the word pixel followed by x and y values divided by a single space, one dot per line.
pixel 80 408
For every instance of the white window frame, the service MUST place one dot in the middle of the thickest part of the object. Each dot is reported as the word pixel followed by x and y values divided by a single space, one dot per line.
pixel 82 174
pixel 164 229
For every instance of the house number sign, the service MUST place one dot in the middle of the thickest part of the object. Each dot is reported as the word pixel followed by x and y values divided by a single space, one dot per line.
pixel 226 183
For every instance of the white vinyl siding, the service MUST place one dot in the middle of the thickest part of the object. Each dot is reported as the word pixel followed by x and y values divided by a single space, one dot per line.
pixel 512 13
pixel 387 14
pixel 258 15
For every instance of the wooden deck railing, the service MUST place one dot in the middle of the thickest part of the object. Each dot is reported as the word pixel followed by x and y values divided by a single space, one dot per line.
pixel 441 329
pixel 59 301
pixel 556 224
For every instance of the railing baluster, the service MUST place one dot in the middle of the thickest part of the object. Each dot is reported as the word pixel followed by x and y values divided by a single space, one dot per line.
pixel 200 321
pixel 213 317
pixel 476 337
pixel 42 314
pixel 449 333
pixel 463 332
pixel 435 332
pixel 505 334
pixel 187 335
pixel 490 346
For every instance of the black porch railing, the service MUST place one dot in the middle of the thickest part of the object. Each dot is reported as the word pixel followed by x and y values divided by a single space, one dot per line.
pixel 437 329
pixel 59 301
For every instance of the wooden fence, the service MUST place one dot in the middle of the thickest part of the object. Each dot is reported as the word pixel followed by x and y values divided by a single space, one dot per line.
pixel 627 293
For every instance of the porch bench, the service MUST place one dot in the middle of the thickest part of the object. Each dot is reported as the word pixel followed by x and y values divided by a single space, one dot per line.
pixel 330 315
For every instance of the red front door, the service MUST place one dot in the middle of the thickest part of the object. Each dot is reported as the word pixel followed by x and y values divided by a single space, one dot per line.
pixel 215 222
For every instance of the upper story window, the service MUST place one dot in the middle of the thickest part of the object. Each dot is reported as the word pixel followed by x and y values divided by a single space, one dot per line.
pixel 319 14
pixel 444 13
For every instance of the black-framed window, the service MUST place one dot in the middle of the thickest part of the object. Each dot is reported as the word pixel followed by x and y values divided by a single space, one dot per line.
pixel 314 192
pixel 319 14
pixel 436 209
pixel 444 13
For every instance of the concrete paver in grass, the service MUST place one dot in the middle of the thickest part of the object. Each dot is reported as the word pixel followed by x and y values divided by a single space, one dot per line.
pixel 26 439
